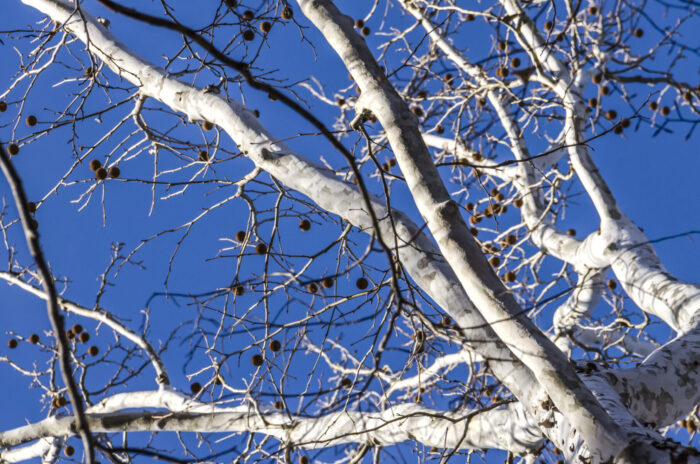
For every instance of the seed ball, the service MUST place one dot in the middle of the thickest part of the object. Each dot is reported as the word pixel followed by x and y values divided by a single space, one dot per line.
pixel 76 329
pixel 481 101
pixel 612 285
pixel 346 382
pixel 653 106
pixel 33 339
pixel 510 276
pixel 597 78
pixel 593 102
pixel 248 35
pixel 618 129
pixel 238 290
pixel 417 110
pixel 31 120
pixel 248 15
pixel 265 27
pixel 494 261
pixel 240 235
pixel 93 350
pixel 625 122
pixel 687 96
pixel 511 239
pixel 515 62
pixel 571 232
pixel 359 23
pixel 470 206
pixel 518 203
pixel 548 26
pixel 59 401
pixel 261 248
pixel 312 287
pixel 611 114
pixel 195 387
pixel 114 172
pixel 257 360
pixel 278 405
pixel 638 33
pixel 230 3
pixel 665 111
pixel 502 45
pixel 474 231
pixel 13 149
pixel 493 192
pixel 84 337
pixel 12 343
pixel 605 90
pixel 439 129
pixel 340 102
pixel 303 460
pixel 502 72
pixel 203 156
pixel 475 219
pixel 31 207
pixel 593 10
pixel 469 17
pixel 275 346
pixel 365 31
pixel 305 225
pixel 287 13
pixel 446 321
pixel 206 125
pixel 70 335
pixel 3 106
pixel 95 165
pixel 69 450
pixel 361 283
pixel 327 282
pixel 101 174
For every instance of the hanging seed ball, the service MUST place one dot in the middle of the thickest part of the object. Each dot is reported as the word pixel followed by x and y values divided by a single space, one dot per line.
pixel 618 129
pixel 653 106
pixel 76 329
pixel 248 35
pixel 500 197
pixel 605 90
pixel 571 232
pixel 638 33
pixel 265 27
pixel 238 290
pixel 612 285
pixel 84 337
pixel 305 225
pixel 365 31
pixel 611 114
pixel 275 346
pixel 33 224
pixel 303 460
pixel 477 156
pixel 439 129
pixel 548 26
pixel 417 110
pixel 312 287
pixel 12 343
pixel 665 111
pixel 469 17
pixel 481 101
pixel 687 96
pixel 346 382
pixel 597 78
pixel 31 207
pixel 261 248
pixel 70 335
pixel 518 203
pixel 203 156
pixel 13 149
pixel 95 165
pixel 33 339
pixel 101 174
pixel 206 125
pixel 446 321
pixel 494 261
pixel 511 239
pixel 340 102
pixel 494 192
pixel 470 206
pixel 327 282
pixel 114 172
pixel 195 387
pixel 510 276
pixel 278 404
pixel 392 162
pixel 361 283
pixel 359 23
pixel 240 235
pixel 593 102
pixel 475 219
pixel 3 106
pixel 287 13
pixel 30 120
pixel 625 122
pixel 515 62
pixel 593 10
pixel 93 350
pixel 502 45
pixel 502 72
pixel 257 360
pixel 474 231
pixel 69 450
pixel 248 15
pixel 59 401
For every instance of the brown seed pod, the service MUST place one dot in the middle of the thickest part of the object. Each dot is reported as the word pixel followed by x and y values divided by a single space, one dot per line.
pixel 248 15
pixel 515 62
pixel 593 10
pixel 30 120
pixel 510 276
pixel 665 111
pixel 612 285
pixel 261 248
pixel 653 105
pixel 477 156
pixel 12 343
pixel 340 102
pixel 638 33
pixel 611 114
pixel 33 224
pixel 439 129
pixel 303 460
pixel 495 261
pixel 275 346
pixel 625 122
pixel 605 90
pixel 240 235
pixel 511 239
pixel 101 174
pixel 195 387
pixel 493 192
pixel 361 283
pixel 287 13
pixel 422 94
pixel 470 206
pixel 31 207
pixel 278 404
pixel 502 72
pixel 206 125
pixel 248 35
pixel 238 290
pixel 359 23
pixel 312 287
pixel 70 335
pixel 593 102
pixel 84 337
pixel 346 382
pixel 13 149
pixel 417 110
pixel 327 282
pixel 597 78
pixel 59 401
pixel 76 329
pixel 33 339
pixel 474 231
pixel 475 219
pixel 95 165
pixel 365 31
pixel 518 203
pixel 265 27
pixel 618 129
pixel 69 450
pixel 304 225
pixel 446 321
pixel 548 25
pixel 93 350
pixel 481 101
pixel 3 106
pixel 502 45
pixel 571 232
pixel 257 360
pixel 469 17
pixel 203 156
pixel 687 96
pixel 114 172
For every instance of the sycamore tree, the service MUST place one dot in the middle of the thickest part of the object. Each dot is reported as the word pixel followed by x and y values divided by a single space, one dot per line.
pixel 340 232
